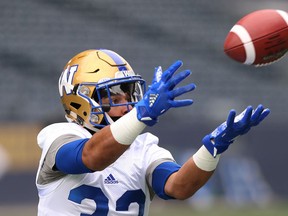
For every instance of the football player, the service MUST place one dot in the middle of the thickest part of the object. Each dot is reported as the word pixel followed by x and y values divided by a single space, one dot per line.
pixel 100 162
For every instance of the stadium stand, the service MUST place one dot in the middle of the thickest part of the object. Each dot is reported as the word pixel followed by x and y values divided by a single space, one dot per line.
pixel 37 38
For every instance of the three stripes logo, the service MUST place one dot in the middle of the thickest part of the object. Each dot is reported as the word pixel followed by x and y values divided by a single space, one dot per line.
pixel 110 180
pixel 152 99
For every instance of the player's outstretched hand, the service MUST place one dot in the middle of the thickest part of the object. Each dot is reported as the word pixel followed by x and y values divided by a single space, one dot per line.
pixel 161 93
pixel 224 135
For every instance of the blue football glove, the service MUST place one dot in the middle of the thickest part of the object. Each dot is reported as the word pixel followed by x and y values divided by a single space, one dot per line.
pixel 161 93
pixel 224 135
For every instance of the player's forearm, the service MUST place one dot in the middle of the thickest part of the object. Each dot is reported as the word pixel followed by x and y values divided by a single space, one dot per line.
pixel 107 145
pixel 184 183
pixel 102 150
pixel 193 174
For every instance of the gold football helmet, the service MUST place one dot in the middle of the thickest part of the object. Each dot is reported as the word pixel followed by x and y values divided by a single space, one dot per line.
pixel 91 75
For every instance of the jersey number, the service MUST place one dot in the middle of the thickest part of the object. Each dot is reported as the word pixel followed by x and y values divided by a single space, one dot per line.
pixel 94 193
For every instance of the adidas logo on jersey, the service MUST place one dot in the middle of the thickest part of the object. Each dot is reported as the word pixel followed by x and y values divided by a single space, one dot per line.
pixel 110 180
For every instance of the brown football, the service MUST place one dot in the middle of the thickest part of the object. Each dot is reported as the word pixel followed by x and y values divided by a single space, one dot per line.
pixel 259 38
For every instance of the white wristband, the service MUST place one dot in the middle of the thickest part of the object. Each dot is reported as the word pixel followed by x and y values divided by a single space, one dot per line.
pixel 127 128
pixel 204 160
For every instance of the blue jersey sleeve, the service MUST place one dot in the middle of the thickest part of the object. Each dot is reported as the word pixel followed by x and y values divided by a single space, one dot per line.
pixel 160 176
pixel 69 158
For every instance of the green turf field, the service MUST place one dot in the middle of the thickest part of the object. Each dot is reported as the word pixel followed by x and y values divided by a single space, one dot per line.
pixel 175 211
pixel 179 209
pixel 219 210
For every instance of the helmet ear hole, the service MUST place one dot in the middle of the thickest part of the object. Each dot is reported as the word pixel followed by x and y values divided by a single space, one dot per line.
pixel 75 105
pixel 85 113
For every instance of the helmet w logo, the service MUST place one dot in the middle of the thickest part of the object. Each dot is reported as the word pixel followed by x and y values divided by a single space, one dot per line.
pixel 66 79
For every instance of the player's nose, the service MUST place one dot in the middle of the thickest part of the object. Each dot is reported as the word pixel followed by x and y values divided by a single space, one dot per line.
pixel 126 109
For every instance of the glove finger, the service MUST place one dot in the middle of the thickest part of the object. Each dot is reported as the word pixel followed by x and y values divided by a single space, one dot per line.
pixel 243 119
pixel 171 70
pixel 230 119
pixel 247 116
pixel 182 90
pixel 157 74
pixel 181 103
pixel 256 114
pixel 178 78
pixel 263 115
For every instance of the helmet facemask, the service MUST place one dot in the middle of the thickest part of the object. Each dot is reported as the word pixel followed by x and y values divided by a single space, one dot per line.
pixel 131 87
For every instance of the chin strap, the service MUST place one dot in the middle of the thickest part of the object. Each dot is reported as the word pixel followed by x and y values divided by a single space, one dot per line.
pixel 109 120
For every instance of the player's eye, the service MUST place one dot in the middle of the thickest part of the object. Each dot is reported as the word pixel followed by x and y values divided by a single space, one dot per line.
pixel 115 100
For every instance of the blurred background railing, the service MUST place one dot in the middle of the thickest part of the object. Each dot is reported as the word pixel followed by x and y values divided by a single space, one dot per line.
pixel 39 36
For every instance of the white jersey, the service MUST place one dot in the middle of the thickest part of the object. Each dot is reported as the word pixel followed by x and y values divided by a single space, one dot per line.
pixel 120 189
